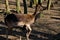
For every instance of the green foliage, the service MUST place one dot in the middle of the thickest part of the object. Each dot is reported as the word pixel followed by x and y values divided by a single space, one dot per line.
pixel 0 1
pixel 41 15
pixel 35 2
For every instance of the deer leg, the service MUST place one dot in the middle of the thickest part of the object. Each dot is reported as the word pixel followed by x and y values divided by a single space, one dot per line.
pixel 6 34
pixel 8 29
pixel 28 34
pixel 28 28
pixel 20 38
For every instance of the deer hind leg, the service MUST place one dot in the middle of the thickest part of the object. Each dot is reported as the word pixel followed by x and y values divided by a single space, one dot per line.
pixel 6 34
pixel 28 28
pixel 8 29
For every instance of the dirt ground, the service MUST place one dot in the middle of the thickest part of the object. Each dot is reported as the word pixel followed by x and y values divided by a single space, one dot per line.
pixel 47 27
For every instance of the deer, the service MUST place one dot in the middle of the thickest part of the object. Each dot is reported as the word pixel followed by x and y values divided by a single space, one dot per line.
pixel 21 20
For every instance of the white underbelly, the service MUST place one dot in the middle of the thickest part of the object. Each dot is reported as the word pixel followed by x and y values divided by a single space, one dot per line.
pixel 20 23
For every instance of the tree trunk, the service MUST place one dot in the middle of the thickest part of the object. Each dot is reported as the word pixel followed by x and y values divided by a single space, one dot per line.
pixel 35 2
pixel 49 4
pixel 40 2
pixel 31 3
pixel 7 7
pixel 18 6
pixel 25 7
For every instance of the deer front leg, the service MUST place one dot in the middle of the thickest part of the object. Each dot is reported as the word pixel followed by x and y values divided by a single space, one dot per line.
pixel 28 28
pixel 20 38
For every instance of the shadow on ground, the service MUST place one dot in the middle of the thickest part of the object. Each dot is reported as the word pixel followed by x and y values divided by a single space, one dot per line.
pixel 35 35
pixel 2 38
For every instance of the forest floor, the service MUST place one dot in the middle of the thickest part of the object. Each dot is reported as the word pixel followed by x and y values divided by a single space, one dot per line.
pixel 47 27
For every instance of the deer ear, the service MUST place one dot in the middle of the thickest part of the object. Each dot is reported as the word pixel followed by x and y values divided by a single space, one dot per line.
pixel 37 16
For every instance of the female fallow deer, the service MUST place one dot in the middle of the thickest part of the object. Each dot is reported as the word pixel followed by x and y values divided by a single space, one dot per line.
pixel 12 20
